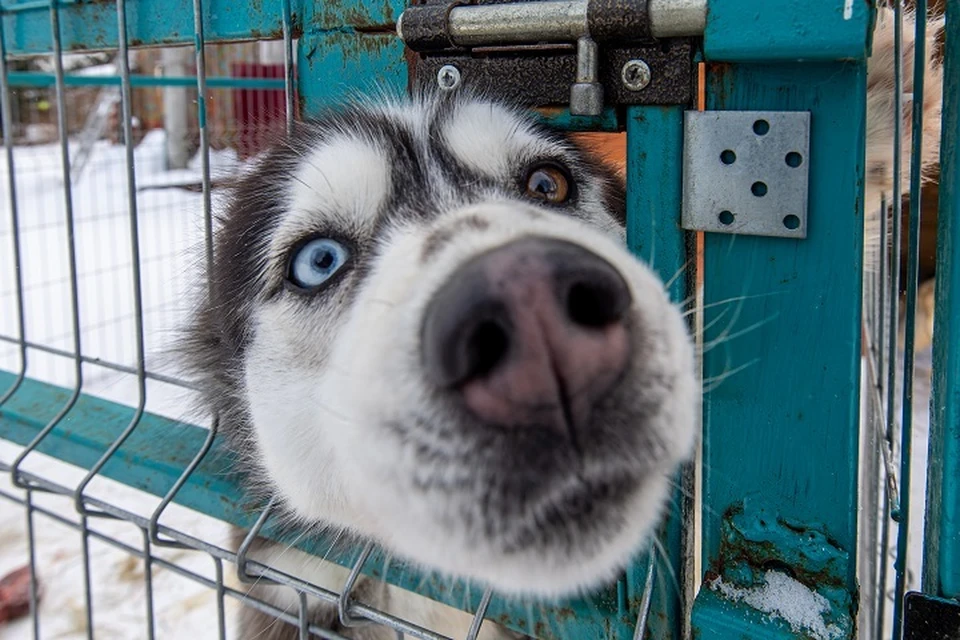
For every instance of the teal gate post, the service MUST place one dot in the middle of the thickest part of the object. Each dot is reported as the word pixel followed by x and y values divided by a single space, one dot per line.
pixel 782 322
pixel 654 189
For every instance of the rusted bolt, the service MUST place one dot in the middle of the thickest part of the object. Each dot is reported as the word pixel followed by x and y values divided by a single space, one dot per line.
pixel 448 77
pixel 635 75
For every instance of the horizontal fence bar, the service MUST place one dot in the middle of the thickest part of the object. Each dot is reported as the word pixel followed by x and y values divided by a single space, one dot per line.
pixel 32 79
pixel 106 364
pixel 92 26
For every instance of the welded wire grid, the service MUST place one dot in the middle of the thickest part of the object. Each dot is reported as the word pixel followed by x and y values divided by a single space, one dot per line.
pixel 894 397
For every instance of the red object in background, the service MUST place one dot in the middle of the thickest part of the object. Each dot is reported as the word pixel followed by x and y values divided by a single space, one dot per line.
pixel 15 594
pixel 259 114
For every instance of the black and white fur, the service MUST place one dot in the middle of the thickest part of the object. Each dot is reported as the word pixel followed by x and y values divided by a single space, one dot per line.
pixel 324 395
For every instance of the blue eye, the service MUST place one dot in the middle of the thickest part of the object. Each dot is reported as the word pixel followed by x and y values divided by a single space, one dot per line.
pixel 316 261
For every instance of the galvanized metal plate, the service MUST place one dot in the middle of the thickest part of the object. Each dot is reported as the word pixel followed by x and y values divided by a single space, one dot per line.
pixel 746 172
pixel 929 618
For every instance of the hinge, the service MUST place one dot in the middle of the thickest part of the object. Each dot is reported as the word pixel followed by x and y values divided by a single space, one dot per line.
pixel 588 54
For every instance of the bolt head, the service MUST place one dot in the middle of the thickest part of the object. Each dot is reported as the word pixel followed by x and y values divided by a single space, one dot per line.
pixel 635 75
pixel 448 77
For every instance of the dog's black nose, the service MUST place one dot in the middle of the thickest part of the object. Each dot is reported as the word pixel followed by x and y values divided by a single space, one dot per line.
pixel 531 333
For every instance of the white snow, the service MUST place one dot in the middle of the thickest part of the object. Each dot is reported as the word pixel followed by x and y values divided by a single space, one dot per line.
pixel 782 597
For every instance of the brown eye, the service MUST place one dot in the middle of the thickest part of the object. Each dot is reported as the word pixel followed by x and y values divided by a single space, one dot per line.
pixel 548 183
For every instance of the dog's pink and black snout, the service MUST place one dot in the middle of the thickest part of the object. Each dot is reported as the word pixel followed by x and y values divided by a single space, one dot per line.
pixel 532 333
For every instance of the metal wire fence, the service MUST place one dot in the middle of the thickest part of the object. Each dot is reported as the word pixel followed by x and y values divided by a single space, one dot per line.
pixel 98 241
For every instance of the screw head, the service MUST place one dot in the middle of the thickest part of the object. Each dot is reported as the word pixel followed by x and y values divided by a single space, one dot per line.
pixel 448 77
pixel 635 75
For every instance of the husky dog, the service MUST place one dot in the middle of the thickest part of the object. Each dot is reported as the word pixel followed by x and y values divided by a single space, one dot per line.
pixel 424 330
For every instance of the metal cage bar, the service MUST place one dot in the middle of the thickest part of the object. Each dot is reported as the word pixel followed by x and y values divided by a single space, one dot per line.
pixel 913 260
pixel 653 135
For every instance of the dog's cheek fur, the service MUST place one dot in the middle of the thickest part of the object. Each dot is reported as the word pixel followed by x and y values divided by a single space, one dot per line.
pixel 295 432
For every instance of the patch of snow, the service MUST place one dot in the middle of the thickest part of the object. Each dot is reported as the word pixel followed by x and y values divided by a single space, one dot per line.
pixel 784 598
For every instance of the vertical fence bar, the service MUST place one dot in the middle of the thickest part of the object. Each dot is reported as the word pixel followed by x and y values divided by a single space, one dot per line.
pixel 201 59
pixel 910 312
pixel 891 504
pixel 6 117
pixel 941 550
pixel 148 579
pixel 153 525
pixel 32 556
pixel 221 614
pixel 60 86
pixel 654 190
pixel 288 68
pixel 127 114
pixel 87 581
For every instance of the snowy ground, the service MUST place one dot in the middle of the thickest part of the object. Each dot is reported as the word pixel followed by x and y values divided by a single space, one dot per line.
pixel 171 234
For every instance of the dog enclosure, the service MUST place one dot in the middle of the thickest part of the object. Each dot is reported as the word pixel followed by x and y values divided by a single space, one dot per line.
pixel 801 517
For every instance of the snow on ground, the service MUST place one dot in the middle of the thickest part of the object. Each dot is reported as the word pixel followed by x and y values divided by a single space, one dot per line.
pixel 171 234
pixel 784 598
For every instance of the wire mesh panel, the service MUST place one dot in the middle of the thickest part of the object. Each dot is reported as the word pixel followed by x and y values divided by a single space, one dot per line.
pixel 124 505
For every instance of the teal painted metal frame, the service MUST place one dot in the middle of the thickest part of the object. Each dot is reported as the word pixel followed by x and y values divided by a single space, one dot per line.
pixel 654 192
pixel 781 432
pixel 796 403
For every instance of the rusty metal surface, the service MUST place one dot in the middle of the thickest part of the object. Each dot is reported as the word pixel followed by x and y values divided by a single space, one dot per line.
pixel 619 20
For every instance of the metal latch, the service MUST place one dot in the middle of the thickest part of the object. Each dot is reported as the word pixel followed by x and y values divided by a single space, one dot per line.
pixel 746 172
pixel 585 53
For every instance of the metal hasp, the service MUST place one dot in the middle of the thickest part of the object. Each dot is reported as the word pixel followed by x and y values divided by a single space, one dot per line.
pixel 583 53
pixel 746 172
pixel 929 618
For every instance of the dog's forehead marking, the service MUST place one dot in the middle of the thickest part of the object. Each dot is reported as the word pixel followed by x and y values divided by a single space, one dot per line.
pixel 487 138
pixel 340 184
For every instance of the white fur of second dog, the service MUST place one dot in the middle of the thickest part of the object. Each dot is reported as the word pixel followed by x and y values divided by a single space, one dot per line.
pixel 881 121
